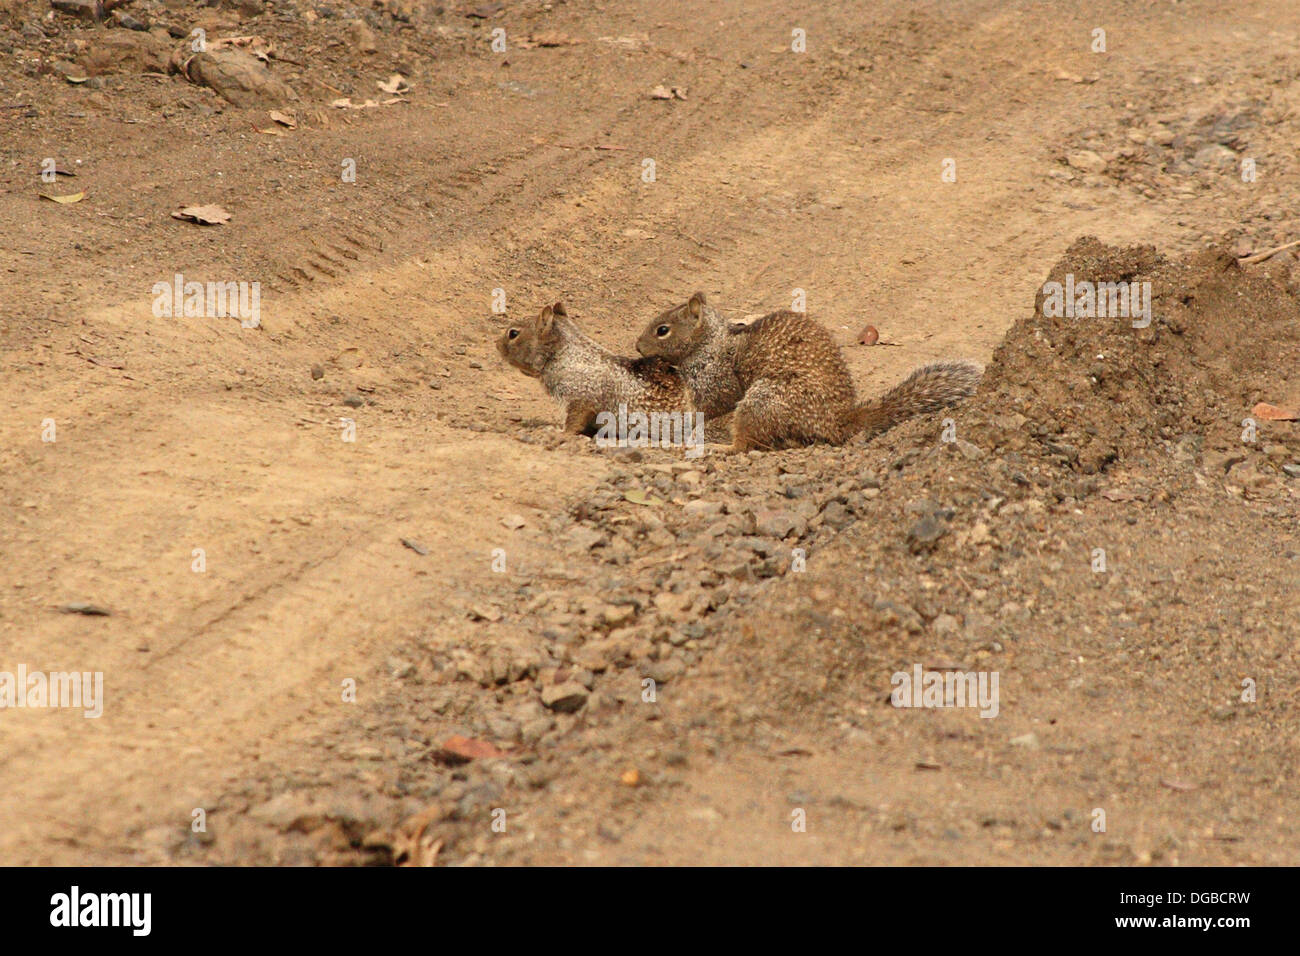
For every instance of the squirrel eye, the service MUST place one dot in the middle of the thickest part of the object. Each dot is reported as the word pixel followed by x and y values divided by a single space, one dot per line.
pixel 661 331
pixel 513 333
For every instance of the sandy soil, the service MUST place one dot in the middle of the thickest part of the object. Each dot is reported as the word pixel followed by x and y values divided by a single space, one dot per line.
pixel 522 171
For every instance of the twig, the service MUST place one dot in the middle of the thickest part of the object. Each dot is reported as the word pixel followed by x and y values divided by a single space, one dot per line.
pixel 1267 254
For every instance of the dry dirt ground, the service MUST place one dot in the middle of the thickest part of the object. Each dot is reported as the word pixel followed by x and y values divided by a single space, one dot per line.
pixel 770 598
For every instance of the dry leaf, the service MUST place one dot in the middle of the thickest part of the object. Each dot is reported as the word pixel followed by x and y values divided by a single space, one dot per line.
pixel 1275 413
pixel 639 497
pixel 70 198
pixel 284 119
pixel 204 215
pixel 458 749
pixel 396 84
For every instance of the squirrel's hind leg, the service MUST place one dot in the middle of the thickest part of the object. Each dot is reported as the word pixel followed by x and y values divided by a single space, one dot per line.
pixel 580 419
pixel 762 418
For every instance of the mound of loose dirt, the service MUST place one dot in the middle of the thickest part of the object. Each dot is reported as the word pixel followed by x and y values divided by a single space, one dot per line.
pixel 1135 432
pixel 1093 390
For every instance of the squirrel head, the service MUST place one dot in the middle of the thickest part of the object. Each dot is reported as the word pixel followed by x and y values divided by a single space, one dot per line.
pixel 531 346
pixel 679 332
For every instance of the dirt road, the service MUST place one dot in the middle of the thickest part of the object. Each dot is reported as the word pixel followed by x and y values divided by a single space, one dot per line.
pixel 278 659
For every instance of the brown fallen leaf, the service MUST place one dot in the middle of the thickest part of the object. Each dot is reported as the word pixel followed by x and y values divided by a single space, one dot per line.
pixel 284 119
pixel 639 497
pixel 209 215
pixel 457 749
pixel 72 197
pixel 1275 413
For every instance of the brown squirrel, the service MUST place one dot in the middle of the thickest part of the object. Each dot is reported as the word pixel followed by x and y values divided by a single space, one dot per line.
pixel 590 379
pixel 786 379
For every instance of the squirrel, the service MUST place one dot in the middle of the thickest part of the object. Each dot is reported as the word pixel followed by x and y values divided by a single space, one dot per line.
pixel 590 379
pixel 786 379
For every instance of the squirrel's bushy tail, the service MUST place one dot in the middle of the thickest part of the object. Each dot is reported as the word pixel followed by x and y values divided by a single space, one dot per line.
pixel 928 389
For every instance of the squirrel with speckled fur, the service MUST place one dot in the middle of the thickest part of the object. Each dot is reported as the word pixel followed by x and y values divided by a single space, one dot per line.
pixel 786 380
pixel 590 379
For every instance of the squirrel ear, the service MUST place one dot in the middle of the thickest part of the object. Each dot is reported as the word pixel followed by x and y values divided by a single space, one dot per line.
pixel 546 320
pixel 696 305
pixel 558 309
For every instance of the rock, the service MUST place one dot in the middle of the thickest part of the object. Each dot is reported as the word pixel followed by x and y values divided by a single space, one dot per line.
pixel 1086 160
pixel 237 77
pixel 90 10
pixel 125 52
pixel 128 22
pixel 585 537
pixel 702 509
pixel 533 730
pixel 80 607
pixel 674 606
pixel 514 522
pixel 317 372
pixel 779 524
pixel 836 515
pixel 945 625
pixel 733 565
pixel 601 655
pixel 1292 469
pixel 617 614
pixel 661 672
pixel 361 37
pixel 925 535
pixel 1215 156
pixel 354 401
pixel 566 698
